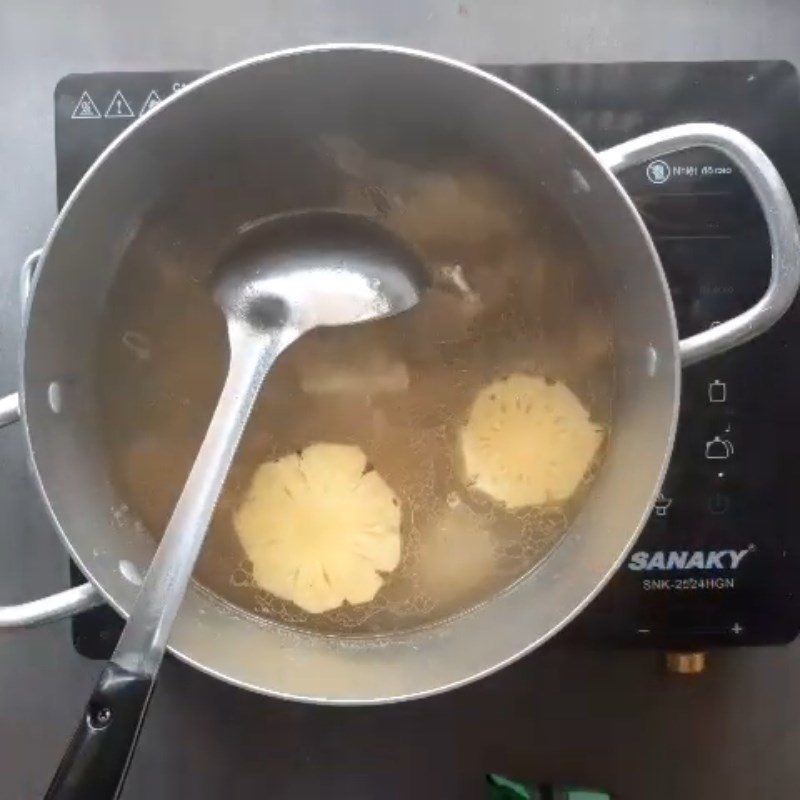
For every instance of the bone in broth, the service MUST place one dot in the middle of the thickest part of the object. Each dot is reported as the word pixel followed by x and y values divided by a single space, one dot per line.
pixel 392 474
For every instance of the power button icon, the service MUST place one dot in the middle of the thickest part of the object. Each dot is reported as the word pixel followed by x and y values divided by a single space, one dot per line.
pixel 658 171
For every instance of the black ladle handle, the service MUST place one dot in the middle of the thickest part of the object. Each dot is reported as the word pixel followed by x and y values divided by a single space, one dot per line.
pixel 98 756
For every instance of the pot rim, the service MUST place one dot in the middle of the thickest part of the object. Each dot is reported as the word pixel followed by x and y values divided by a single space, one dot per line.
pixel 566 129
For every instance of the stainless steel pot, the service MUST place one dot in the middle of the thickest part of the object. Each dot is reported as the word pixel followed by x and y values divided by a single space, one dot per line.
pixel 294 97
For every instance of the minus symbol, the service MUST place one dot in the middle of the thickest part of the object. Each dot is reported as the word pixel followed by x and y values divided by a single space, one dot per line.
pixel 643 630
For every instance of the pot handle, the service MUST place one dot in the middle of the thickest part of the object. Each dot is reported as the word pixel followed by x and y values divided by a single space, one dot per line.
pixel 776 205
pixel 10 405
pixel 70 601
pixel 9 409
pixel 51 608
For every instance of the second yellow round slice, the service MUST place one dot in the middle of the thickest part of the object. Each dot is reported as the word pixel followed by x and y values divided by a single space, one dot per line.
pixel 528 441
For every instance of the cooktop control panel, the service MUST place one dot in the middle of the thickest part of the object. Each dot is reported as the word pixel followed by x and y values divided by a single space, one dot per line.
pixel 719 558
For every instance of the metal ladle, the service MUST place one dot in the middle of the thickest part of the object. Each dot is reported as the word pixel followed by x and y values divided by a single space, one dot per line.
pixel 289 275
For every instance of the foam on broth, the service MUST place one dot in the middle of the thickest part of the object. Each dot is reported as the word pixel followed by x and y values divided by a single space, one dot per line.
pixel 514 290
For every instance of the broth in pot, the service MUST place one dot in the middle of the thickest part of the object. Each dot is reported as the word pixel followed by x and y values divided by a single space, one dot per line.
pixel 515 319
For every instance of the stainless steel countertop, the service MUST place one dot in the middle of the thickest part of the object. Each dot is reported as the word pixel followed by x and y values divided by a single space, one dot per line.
pixel 603 718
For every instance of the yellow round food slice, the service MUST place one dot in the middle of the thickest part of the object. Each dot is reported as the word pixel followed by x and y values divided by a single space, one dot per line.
pixel 527 441
pixel 320 527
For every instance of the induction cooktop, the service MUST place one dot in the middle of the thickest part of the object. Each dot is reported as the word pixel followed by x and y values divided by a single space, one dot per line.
pixel 719 558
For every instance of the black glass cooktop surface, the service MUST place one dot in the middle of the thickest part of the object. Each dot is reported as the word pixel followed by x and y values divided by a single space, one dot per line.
pixel 718 560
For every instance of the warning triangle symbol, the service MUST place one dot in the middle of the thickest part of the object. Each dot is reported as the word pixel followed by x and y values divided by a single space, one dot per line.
pixel 118 107
pixel 152 101
pixel 85 108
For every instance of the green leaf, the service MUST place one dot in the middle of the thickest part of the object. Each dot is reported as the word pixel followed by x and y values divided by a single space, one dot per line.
pixel 504 789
